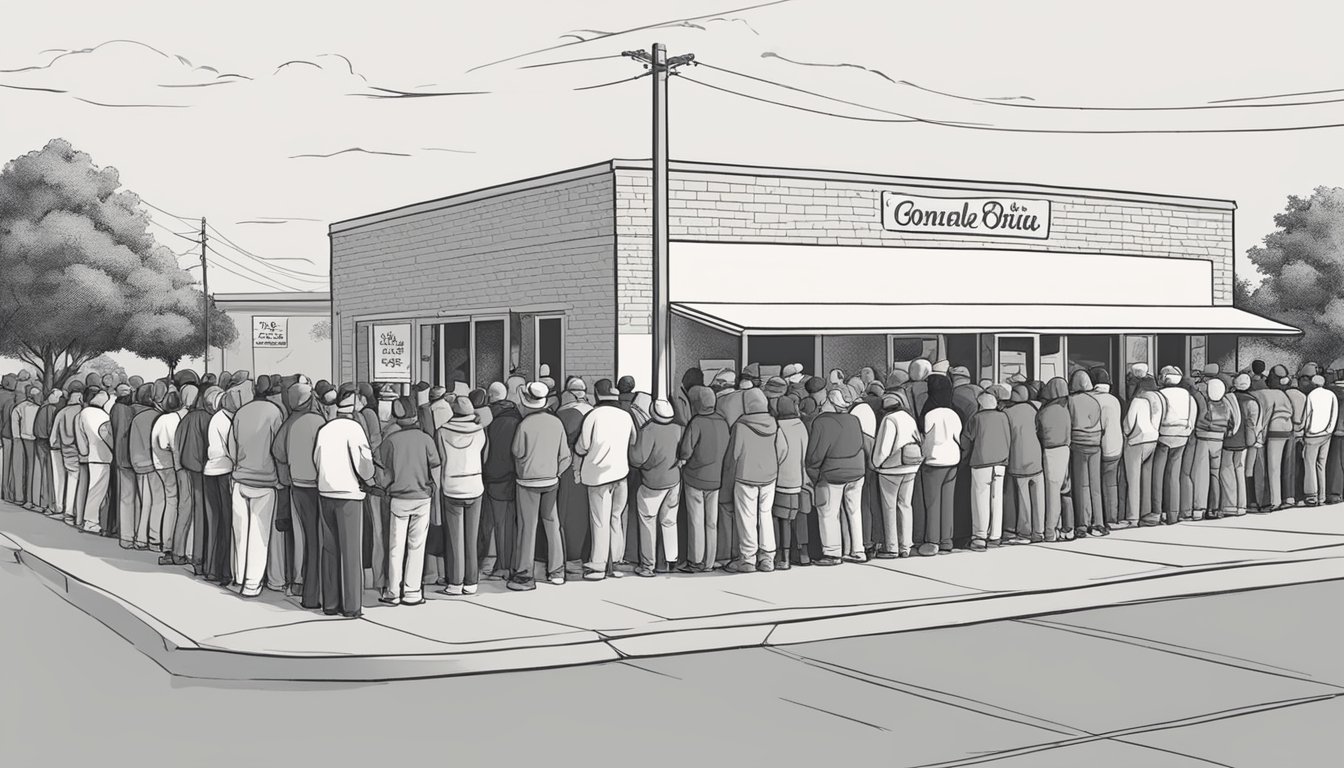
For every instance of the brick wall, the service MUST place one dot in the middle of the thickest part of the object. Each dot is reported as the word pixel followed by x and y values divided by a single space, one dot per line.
pixel 540 246
pixel 746 208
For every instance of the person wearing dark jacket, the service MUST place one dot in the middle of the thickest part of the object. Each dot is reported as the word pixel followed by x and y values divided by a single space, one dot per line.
pixel 659 494
pixel 572 499
pixel 1277 414
pixel 1085 457
pixel 501 496
pixel 141 446
pixel 1025 469
pixel 987 440
pixel 837 465
pixel 120 517
pixel 1112 443
pixel 681 399
pixel 8 399
pixel 701 452
pixel 751 468
pixel 293 452
pixel 403 466
pixel 1334 472
pixel 190 444
pixel 1054 426
pixel 541 455
pixel 942 430
pixel 48 458
pixel 1237 446
pixel 255 480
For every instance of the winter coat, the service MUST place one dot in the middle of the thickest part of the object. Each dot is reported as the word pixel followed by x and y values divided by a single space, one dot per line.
pixel 756 448
pixel 540 450
pixel 896 431
pixel 251 436
pixel 604 443
pixel 655 455
pixel 344 459
pixel 835 450
pixel 93 436
pixel 1054 424
pixel 792 470
pixel 1176 420
pixel 462 449
pixel 1322 412
pixel 1084 411
pixel 498 469
pixel 1024 444
pixel 191 443
pixel 702 448
pixel 1112 434
pixel 141 441
pixel 1276 412
pixel 988 438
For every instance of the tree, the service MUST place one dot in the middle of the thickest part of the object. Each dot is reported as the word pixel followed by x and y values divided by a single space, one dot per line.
pixel 77 260
pixel 1303 265
pixel 100 365
pixel 174 330
pixel 321 331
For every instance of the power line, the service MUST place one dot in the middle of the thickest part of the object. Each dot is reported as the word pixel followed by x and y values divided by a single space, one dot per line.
pixel 282 271
pixel 263 260
pixel 252 274
pixel 795 106
pixel 182 219
pixel 165 228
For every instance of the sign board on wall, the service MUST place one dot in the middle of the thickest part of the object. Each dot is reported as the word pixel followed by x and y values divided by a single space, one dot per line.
pixel 392 353
pixel 975 216
pixel 270 331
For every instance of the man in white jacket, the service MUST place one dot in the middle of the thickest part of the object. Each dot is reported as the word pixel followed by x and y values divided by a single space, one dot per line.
pixel 1176 422
pixel 93 439
pixel 344 469
pixel 605 439
pixel 1322 411
pixel 896 458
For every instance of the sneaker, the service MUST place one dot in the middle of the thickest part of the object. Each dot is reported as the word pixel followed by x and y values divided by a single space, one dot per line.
pixel 1037 538
pixel 496 575
pixel 521 585
pixel 1100 530
pixel 1120 525
pixel 558 581
pixel 737 566
pixel 688 568
pixel 390 600
pixel 468 589
pixel 454 590
pixel 884 555
pixel 827 560
pixel 994 543
pixel 766 566
pixel 927 550
pixel 591 575
pixel 1080 532
pixel 644 571
pixel 413 603
pixel 978 545
pixel 167 560
pixel 905 553
pixel 804 558
pixel 783 565
pixel 856 558
pixel 1014 540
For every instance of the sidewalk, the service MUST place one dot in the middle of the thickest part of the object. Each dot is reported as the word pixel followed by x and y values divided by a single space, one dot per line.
pixel 196 629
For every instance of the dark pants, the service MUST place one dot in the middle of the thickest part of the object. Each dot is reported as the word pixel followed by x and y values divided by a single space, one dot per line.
pixel 461 519
pixel 1292 470
pixel 22 468
pixel 342 572
pixel 218 529
pixel 39 490
pixel 303 504
pixel 6 471
pixel 1167 461
pixel 1334 470
pixel 503 515
pixel 537 504
pixel 1110 488
pixel 939 495
pixel 1085 472
pixel 200 524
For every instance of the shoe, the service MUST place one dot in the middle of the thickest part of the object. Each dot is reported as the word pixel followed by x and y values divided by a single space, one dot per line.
pixel 905 553
pixel 1066 535
pixel 884 555
pixel 1014 540
pixel 521 585
pixel 944 550
pixel 413 603
pixel 1037 538
pixel 644 572
pixel 330 613
pixel 496 575
pixel 927 550
pixel 390 600
pixel 468 589
pixel 994 543
pixel 167 560
pixel 978 545
pixel 688 568
pixel 1080 532
pixel 574 568
pixel 591 575
pixel 783 565
pixel 250 595
pixel 855 558
pixel 1100 530
pixel 1120 525
pixel 452 590
pixel 357 615
pixel 737 566
pixel 558 581
pixel 766 566
pixel 826 560
pixel 804 559
pixel 615 574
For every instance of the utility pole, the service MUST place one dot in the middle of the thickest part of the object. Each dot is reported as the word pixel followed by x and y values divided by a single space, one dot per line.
pixel 660 67
pixel 205 289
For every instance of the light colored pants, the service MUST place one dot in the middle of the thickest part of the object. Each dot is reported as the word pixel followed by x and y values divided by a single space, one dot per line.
pixel 1030 505
pixel 127 510
pixel 74 508
pixel 1269 472
pixel 657 509
pixel 186 494
pixel 147 501
pixel 1138 481
pixel 163 522
pixel 752 506
pixel 1204 476
pixel 1056 464
pixel 408 526
pixel 1232 480
pixel 987 502
pixel 253 518
pixel 57 501
pixel 897 491
pixel 1315 454
pixel 606 520
pixel 100 476
pixel 835 499
pixel 702 525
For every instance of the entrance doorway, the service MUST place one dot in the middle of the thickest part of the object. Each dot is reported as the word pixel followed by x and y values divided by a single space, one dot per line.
pixel 1170 351
pixel 1015 356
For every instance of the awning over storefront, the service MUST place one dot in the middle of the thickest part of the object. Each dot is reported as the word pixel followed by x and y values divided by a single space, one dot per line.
pixel 838 319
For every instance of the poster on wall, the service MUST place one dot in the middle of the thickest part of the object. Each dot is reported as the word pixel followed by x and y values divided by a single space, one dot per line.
pixel 270 331
pixel 392 353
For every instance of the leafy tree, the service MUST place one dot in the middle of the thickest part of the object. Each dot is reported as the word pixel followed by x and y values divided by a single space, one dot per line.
pixel 174 331
pixel 78 262
pixel 100 365
pixel 1303 265
pixel 321 331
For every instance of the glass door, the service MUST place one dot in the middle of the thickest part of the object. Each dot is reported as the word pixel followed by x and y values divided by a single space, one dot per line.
pixel 1015 357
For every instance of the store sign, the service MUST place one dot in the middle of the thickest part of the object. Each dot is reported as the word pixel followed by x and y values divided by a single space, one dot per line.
pixel 392 353
pixel 270 332
pixel 981 216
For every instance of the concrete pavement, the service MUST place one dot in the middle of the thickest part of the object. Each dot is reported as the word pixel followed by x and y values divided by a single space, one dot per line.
pixel 194 629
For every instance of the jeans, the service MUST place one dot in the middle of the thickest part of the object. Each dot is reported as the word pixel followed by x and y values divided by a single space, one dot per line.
pixel 253 521
pixel 20 464
pixel 834 501
pixel 987 502
pixel 938 484
pixel 342 540
pixel 1110 487
pixel 501 515
pixel 74 503
pixel 218 529
pixel 187 498
pixel 897 492
pixel 409 524
pixel 1085 470
pixel 95 495
pixel 1232 481
pixel 1315 457
pixel 1334 486
pixel 539 505
pixel 657 508
pixel 752 506
pixel 606 519
pixel 163 523
pixel 1204 476
pixel 1167 459
pixel 1269 472
pixel 1055 462
pixel 304 505
pixel 127 514
pixel 702 510
pixel 1030 505
pixel 461 526
pixel 39 490
pixel 1291 450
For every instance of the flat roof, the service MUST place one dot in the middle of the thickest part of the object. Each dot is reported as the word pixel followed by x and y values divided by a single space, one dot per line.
pixel 732 169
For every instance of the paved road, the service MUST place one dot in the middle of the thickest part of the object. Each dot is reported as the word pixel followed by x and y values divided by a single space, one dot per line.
pixel 1246 679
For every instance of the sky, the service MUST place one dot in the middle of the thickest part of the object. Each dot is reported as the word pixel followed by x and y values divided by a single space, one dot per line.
pixel 275 119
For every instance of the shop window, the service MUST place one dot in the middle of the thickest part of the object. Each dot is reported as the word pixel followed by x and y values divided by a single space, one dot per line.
pixel 1198 352
pixel 779 351
pixel 907 349
pixel 1170 351
pixel 453 354
pixel 1088 352
pixel 1052 356
pixel 963 350
pixel 1017 357
pixel 489 352
pixel 550 348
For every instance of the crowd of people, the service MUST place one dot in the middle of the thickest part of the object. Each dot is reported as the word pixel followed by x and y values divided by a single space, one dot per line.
pixel 321 490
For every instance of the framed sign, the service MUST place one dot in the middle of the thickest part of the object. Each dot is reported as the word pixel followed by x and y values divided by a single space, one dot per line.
pixel 392 353
pixel 270 331
pixel 979 216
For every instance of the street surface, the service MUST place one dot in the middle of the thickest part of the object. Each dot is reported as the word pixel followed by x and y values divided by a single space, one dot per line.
pixel 1243 679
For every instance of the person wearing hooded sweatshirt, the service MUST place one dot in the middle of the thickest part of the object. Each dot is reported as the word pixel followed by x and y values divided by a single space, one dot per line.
pixel 987 439
pixel 1293 475
pixel 1054 427
pixel 149 498
pixel 121 516
pixel 1322 412
pixel 292 450
pixel 23 419
pixel 463 448
pixel 1219 416
pixel 1237 446
pixel 942 430
pixel 175 524
pixel 541 456
pixel 255 482
pixel 1085 457
pixel 1277 415
pixel 730 405
pixel 8 399
pixel 1025 468
pixel 191 445
pixel 63 440
pixel 404 466
pixel 810 405
pixel 868 410
pixel 701 452
pixel 48 458
pixel 605 438
pixel 681 399
pixel 572 498
pixel 344 464
pixel 1334 490
pixel 793 489
pixel 1112 443
pixel 658 497
pixel 94 441
pixel 1140 432
pixel 219 566
pixel 1176 415
pixel 896 460
pixel 751 468
pixel 500 507
pixel 836 463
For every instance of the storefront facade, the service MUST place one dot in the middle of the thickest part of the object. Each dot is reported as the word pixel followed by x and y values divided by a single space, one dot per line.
pixel 774 265
pixel 283 332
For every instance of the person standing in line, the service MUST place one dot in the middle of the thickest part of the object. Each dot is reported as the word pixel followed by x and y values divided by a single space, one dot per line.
pixel 63 442
pixel 729 403
pixel 1025 468
pixel 658 498
pixel 22 419
pixel 1112 445
pixel 1218 416
pixel 1293 476
pixel 344 464
pixel 573 499
pixel 374 508
pixel 701 452
pixel 44 484
pixel 500 490
pixel 293 450
pixel 8 399
pixel 793 489
pixel 897 456
pixel 1085 457
pixel 120 516
pixel 605 438
pixel 149 498
pixel 255 482
pixel 405 464
pixel 942 429
pixel 1334 492
pixel 1140 432
pixel 541 456
pixel 1322 413
pixel 751 468
pixel 986 440
pixel 1176 422
pixel 463 446
pixel 681 399
pixel 1277 412
pixel 218 487
pixel 94 441
pixel 836 460
pixel 167 527
pixel 191 445
pixel 1054 426
pixel 1237 446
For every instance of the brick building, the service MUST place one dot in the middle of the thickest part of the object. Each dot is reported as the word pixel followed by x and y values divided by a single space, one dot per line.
pixel 777 265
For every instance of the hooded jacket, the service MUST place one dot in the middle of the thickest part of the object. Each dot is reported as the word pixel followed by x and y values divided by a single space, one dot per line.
pixel 63 433
pixel 121 415
pixel 1176 419
pixel 540 450
pixel 1298 400
pixel 191 443
pixel 141 441
pixel 896 431
pixel 987 435
pixel 793 469
pixel 1054 425
pixel 498 469
pixel 1085 413
pixel 462 446
pixel 1112 434
pixel 251 437
pixel 835 449
pixel 704 443
pixel 295 442
pixel 918 386
pixel 604 442
pixel 730 405
pixel 655 455
pixel 1252 428
pixel 755 446
pixel 406 462
pixel 1218 414
pixel 1024 444
pixel 7 401
pixel 93 436
pixel 1276 412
